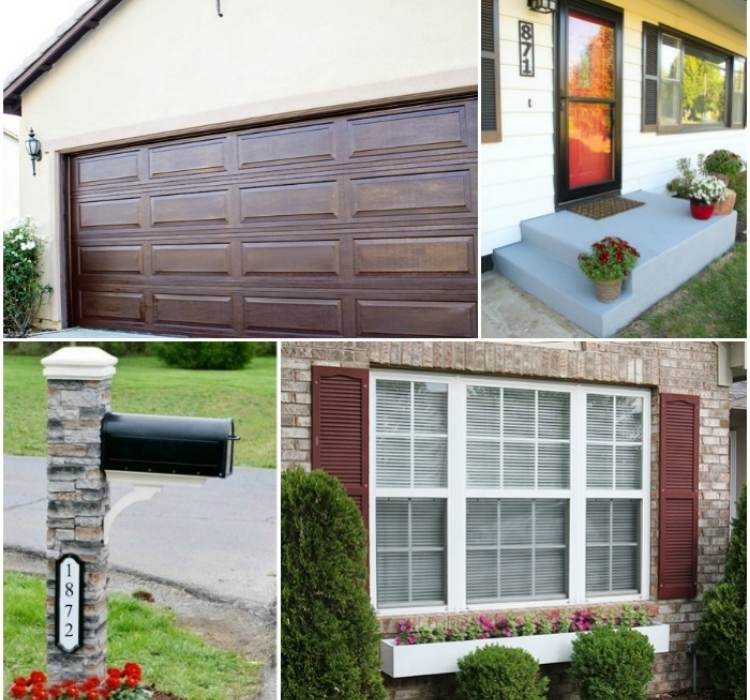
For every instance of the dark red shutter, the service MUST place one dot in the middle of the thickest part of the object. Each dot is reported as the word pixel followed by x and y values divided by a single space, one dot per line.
pixel 679 450
pixel 340 429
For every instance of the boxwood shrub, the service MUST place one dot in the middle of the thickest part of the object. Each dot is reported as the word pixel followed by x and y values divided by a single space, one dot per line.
pixel 500 673
pixel 612 663
pixel 329 634
pixel 206 355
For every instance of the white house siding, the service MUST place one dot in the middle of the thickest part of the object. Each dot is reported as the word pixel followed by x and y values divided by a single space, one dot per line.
pixel 517 173
pixel 10 201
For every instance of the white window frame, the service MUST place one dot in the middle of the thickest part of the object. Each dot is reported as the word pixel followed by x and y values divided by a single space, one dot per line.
pixel 457 493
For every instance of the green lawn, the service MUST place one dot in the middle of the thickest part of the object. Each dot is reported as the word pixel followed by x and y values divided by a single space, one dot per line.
pixel 145 385
pixel 173 659
pixel 711 305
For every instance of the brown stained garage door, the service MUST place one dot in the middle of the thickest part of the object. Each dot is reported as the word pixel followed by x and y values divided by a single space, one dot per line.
pixel 355 225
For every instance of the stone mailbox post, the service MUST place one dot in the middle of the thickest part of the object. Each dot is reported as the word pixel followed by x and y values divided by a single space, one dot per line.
pixel 78 380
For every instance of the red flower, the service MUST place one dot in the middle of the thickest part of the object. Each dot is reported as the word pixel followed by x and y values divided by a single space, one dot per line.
pixel 113 671
pixel 37 677
pixel 20 681
pixel 132 682
pixel 132 669
pixel 92 695
pixel 113 681
pixel 91 683
pixel 603 257
pixel 18 691
pixel 54 692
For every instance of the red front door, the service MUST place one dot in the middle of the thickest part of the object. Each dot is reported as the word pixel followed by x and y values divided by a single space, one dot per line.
pixel 587 144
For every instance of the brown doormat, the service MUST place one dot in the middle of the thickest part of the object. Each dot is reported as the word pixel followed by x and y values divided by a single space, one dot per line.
pixel 604 207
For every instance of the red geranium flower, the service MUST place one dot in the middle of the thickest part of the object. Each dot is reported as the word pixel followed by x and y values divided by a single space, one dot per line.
pixel 18 691
pixel 603 257
pixel 20 681
pixel 113 681
pixel 37 677
pixel 92 695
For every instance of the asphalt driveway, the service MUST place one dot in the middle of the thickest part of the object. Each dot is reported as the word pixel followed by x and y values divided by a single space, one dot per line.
pixel 220 538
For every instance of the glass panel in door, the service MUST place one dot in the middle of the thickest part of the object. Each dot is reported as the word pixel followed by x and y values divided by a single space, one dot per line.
pixel 590 95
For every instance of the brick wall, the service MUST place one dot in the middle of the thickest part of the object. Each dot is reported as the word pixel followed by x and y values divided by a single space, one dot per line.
pixel 672 367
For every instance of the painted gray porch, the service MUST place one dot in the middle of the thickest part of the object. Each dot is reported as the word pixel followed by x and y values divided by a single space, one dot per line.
pixel 673 246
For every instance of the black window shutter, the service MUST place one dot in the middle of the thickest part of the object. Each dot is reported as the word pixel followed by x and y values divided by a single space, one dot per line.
pixel 490 72
pixel 650 101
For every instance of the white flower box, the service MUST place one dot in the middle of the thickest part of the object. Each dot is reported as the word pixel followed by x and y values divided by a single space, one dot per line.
pixel 401 661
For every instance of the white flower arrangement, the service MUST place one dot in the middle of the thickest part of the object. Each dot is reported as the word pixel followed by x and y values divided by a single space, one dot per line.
pixel 707 189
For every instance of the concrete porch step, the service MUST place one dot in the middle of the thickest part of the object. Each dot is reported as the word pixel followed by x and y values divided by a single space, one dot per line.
pixel 673 248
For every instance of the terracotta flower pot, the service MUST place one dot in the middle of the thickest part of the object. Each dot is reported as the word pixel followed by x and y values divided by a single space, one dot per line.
pixel 700 210
pixel 726 205
pixel 607 290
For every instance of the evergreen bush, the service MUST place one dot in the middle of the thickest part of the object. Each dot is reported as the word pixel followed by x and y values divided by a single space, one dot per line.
pixel 612 663
pixel 329 634
pixel 500 673
pixel 736 566
pixel 205 355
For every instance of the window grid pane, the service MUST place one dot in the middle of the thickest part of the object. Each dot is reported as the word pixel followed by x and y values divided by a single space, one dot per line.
pixel 410 551
pixel 411 434
pixel 613 547
pixel 517 438
pixel 614 447
pixel 516 549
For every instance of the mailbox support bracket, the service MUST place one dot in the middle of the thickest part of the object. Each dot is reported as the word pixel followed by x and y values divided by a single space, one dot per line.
pixel 138 494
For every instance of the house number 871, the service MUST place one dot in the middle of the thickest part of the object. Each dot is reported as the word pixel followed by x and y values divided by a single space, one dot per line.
pixel 526 48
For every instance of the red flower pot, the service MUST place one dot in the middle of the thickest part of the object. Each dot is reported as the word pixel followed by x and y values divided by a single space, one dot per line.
pixel 701 210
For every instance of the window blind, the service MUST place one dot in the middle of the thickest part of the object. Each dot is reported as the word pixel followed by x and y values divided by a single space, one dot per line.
pixel 410 551
pixel 517 438
pixel 614 437
pixel 516 549
pixel 411 434
pixel 613 545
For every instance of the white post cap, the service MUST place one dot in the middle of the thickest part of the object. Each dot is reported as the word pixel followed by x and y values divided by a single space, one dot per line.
pixel 80 363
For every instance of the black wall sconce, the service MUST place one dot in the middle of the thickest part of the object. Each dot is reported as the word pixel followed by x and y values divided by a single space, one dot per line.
pixel 544 6
pixel 34 149
pixel 218 8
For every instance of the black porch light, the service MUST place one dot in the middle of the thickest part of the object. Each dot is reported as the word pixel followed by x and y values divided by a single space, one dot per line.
pixel 544 6
pixel 34 149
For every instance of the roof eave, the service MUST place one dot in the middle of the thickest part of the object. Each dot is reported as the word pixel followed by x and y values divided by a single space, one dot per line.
pixel 49 55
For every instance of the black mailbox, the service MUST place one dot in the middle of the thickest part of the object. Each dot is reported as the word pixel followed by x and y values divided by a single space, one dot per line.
pixel 167 444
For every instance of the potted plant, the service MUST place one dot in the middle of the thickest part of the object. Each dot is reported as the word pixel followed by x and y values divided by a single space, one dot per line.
pixel 607 265
pixel 704 192
pixel 728 167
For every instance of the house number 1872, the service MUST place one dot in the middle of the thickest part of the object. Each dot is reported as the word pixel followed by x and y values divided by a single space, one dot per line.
pixel 69 603
pixel 526 48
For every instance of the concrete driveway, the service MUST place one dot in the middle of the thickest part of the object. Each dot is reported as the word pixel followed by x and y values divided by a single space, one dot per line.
pixel 220 538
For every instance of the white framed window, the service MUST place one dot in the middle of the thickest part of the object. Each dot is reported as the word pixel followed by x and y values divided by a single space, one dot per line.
pixel 489 493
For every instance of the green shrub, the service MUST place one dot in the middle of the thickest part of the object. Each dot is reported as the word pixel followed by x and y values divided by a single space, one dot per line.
pixel 738 183
pixel 723 162
pixel 500 673
pixel 721 641
pixel 205 355
pixel 329 634
pixel 736 566
pixel 612 663
pixel 23 291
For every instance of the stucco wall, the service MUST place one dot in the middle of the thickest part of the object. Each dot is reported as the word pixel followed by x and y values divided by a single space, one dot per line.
pixel 518 172
pixel 10 202
pixel 672 367
pixel 154 66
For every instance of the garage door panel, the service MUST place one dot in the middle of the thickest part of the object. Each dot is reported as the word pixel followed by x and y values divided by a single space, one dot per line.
pixel 192 208
pixel 114 212
pixel 360 223
pixel 94 170
pixel 290 145
pixel 314 199
pixel 283 315
pixel 118 259
pixel 429 319
pixel 413 130
pixel 189 158
pixel 112 306
pixel 206 311
pixel 419 256
pixel 198 258
pixel 291 258
pixel 427 193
